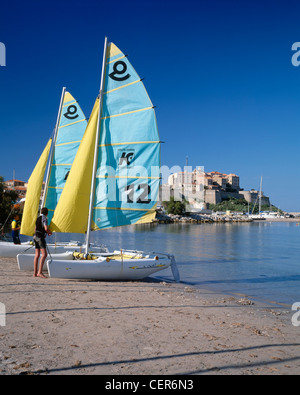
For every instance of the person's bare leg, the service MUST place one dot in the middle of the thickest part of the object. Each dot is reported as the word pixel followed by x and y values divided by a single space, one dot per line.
pixel 42 261
pixel 35 262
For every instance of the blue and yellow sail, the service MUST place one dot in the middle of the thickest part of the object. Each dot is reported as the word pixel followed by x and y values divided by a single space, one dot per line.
pixel 72 125
pixel 128 152
pixel 128 175
pixel 72 211
pixel 61 154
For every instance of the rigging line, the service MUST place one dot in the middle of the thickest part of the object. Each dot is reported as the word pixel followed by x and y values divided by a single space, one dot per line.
pixel 129 142
pixel 115 60
pixel 70 142
pixel 61 164
pixel 6 220
pixel 73 123
pixel 69 103
pixel 121 87
pixel 127 113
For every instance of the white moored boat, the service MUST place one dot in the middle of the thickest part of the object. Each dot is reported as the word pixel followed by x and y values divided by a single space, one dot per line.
pixel 117 265
pixel 11 250
pixel 121 266
pixel 63 252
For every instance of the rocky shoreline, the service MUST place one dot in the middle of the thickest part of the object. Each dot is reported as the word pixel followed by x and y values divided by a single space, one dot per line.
pixel 163 218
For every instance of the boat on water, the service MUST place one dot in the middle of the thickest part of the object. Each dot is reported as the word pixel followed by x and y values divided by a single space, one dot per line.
pixel 257 217
pixel 264 215
pixel 271 214
pixel 114 179
pixel 260 216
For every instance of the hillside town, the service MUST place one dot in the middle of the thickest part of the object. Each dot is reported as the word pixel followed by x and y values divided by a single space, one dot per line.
pixel 201 189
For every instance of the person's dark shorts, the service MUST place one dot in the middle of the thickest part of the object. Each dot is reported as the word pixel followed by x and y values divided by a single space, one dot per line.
pixel 40 242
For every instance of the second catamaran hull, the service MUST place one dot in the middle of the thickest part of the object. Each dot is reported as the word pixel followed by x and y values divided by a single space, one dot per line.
pixel 25 261
pixel 11 250
pixel 107 269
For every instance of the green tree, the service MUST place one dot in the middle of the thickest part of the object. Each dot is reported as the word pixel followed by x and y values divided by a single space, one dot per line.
pixel 240 205
pixel 173 207
pixel 7 199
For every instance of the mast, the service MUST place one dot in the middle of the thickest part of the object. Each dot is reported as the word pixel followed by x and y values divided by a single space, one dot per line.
pixel 88 233
pixel 260 196
pixel 53 144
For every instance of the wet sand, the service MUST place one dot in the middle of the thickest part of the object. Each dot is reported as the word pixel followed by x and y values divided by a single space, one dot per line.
pixel 66 327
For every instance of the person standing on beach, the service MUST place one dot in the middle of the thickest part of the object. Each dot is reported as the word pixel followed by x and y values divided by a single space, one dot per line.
pixel 15 227
pixel 41 229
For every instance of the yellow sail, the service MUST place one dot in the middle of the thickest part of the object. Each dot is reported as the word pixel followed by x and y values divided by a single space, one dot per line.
pixel 71 127
pixel 33 194
pixel 71 213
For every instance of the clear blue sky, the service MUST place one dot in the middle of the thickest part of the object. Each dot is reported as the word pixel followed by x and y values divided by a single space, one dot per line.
pixel 219 72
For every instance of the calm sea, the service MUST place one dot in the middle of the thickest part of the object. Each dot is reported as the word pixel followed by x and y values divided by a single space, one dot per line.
pixel 260 260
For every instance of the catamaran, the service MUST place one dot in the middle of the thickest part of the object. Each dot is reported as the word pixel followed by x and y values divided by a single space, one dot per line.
pixel 114 179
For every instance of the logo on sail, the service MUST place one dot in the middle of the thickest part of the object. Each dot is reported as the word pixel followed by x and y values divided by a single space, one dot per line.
pixel 119 71
pixel 126 157
pixel 67 172
pixel 2 55
pixel 71 112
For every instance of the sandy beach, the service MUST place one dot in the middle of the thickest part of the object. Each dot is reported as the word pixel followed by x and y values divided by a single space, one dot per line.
pixel 64 327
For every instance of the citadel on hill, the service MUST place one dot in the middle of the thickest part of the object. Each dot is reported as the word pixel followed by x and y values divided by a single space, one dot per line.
pixel 201 189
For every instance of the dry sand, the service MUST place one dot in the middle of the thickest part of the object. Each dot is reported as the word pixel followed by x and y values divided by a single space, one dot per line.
pixel 69 327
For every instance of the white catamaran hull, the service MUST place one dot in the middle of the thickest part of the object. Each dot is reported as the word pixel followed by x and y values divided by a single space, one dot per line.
pixel 11 250
pixel 25 261
pixel 110 268
pixel 102 270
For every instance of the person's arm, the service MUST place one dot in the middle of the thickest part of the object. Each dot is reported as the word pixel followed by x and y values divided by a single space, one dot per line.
pixel 47 230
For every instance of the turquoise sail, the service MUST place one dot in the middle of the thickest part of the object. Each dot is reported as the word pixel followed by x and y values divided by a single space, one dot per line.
pixel 128 171
pixel 71 129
